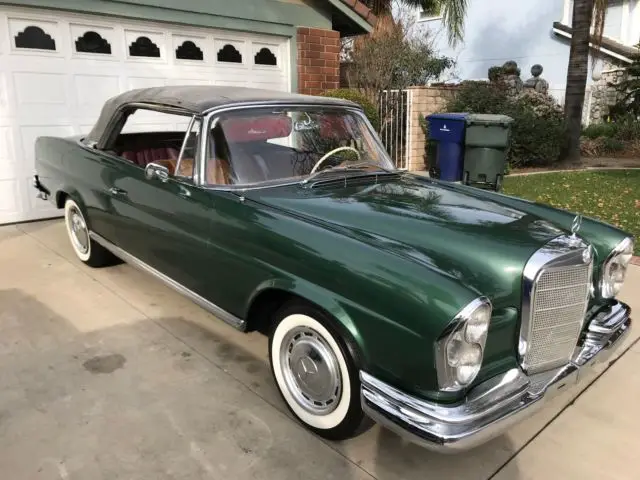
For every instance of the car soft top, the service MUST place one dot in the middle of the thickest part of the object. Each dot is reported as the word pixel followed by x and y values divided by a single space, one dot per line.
pixel 199 99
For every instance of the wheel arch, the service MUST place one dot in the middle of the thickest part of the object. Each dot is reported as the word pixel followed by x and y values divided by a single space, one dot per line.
pixel 61 198
pixel 267 299
pixel 65 192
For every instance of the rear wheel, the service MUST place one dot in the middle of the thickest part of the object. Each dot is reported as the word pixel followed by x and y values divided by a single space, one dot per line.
pixel 315 372
pixel 86 249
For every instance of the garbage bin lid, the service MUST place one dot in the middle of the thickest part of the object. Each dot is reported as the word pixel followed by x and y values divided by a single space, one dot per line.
pixel 447 116
pixel 488 119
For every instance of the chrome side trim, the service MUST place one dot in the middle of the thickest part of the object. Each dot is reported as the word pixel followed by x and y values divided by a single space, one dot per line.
pixel 558 252
pixel 493 406
pixel 202 302
pixel 184 145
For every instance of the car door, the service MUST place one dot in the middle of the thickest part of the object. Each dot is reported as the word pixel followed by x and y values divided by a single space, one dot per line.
pixel 164 222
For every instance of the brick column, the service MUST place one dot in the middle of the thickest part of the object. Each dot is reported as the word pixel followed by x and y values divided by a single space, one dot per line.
pixel 425 101
pixel 318 60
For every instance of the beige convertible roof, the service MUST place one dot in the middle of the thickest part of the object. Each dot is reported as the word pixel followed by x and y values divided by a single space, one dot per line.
pixel 199 99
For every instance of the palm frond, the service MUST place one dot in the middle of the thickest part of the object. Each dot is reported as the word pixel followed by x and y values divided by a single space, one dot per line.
pixel 453 16
pixel 453 13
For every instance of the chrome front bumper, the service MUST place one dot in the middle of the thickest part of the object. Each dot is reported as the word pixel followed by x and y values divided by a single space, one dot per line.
pixel 495 405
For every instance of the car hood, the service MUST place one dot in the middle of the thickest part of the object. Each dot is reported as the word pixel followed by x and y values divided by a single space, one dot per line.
pixel 482 243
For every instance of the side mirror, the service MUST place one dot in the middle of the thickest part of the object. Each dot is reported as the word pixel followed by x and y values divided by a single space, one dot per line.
pixel 153 170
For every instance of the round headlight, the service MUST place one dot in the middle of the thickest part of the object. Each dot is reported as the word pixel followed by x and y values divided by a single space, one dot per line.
pixel 614 269
pixel 459 353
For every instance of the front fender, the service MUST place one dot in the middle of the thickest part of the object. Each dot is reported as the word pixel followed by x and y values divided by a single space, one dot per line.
pixel 393 320
pixel 340 308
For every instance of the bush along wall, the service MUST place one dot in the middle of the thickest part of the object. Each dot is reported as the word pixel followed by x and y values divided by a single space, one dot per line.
pixel 355 96
pixel 537 131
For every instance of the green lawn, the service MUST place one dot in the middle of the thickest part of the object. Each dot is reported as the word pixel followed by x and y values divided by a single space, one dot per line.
pixel 612 196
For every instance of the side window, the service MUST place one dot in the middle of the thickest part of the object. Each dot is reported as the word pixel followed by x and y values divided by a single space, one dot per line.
pixel 151 136
pixel 218 166
pixel 186 162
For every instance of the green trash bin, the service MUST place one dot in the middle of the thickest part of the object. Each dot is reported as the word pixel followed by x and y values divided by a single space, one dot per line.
pixel 486 143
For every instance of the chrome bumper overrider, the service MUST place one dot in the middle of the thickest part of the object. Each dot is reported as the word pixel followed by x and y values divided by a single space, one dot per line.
pixel 495 405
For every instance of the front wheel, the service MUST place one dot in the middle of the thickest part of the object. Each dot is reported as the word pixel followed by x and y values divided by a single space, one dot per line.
pixel 315 373
pixel 86 249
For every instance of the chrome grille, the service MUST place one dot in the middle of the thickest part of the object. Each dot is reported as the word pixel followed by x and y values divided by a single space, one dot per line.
pixel 558 305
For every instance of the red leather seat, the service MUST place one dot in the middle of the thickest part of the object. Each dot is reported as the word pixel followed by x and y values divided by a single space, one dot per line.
pixel 145 156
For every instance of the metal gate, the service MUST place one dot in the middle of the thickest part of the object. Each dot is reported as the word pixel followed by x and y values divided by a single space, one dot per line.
pixel 395 124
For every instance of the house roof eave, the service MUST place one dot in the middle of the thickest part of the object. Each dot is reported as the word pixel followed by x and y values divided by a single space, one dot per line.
pixel 352 17
pixel 608 46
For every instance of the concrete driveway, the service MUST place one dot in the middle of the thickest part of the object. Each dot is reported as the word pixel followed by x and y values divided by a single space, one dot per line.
pixel 108 374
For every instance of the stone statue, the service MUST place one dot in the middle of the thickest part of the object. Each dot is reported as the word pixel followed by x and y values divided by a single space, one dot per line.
pixel 538 84
pixel 509 76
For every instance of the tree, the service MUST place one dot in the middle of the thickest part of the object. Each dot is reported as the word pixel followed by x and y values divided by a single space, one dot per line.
pixel 453 13
pixel 585 13
pixel 392 59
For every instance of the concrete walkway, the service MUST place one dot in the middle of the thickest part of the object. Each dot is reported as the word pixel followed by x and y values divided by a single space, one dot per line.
pixel 108 374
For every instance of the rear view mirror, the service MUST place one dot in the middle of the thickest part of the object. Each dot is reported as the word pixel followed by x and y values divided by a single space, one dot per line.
pixel 153 170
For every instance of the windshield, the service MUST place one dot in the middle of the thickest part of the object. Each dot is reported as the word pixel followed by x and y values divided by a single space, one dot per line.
pixel 263 145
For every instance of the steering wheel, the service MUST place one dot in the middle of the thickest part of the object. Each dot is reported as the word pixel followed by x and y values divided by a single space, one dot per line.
pixel 328 154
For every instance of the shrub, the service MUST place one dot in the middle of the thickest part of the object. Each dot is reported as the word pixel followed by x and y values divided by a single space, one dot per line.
pixel 628 128
pixel 612 145
pixel 537 130
pixel 597 130
pixel 478 97
pixel 353 95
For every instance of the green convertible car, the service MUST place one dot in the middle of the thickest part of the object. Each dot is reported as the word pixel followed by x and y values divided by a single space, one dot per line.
pixel 445 312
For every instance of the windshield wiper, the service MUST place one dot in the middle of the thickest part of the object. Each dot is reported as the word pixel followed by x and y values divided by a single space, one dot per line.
pixel 354 166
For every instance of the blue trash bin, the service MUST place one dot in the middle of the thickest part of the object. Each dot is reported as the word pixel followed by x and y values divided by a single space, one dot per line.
pixel 447 131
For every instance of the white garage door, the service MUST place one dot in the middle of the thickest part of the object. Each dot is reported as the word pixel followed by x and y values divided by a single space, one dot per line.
pixel 57 69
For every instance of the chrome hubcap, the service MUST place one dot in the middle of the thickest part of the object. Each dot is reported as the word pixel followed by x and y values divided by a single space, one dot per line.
pixel 310 370
pixel 78 230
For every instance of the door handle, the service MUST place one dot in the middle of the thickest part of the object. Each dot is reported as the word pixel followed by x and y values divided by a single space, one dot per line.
pixel 117 191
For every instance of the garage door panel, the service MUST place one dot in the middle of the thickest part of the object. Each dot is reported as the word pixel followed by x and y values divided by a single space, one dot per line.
pixel 191 50
pixel 35 36
pixel 78 61
pixel 230 53
pixel 8 158
pixel 4 100
pixel 145 46
pixel 146 82
pixel 231 83
pixel 95 42
pixel 188 81
pixel 93 90
pixel 40 88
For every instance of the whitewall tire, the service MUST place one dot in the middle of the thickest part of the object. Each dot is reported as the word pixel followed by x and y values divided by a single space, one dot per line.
pixel 314 372
pixel 86 249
